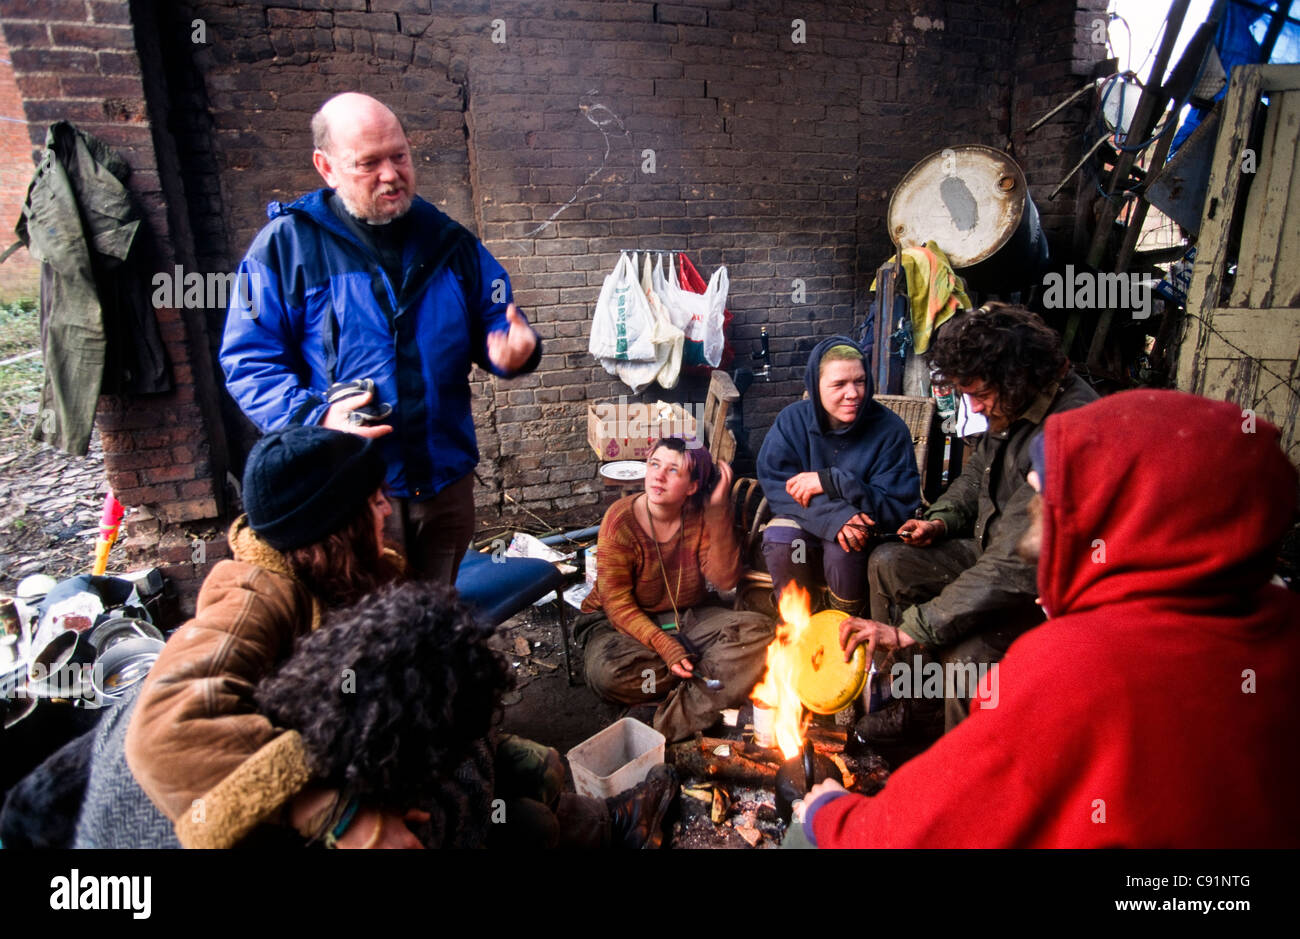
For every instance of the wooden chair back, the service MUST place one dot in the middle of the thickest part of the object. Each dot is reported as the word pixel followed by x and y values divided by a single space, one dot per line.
pixel 718 437
pixel 918 414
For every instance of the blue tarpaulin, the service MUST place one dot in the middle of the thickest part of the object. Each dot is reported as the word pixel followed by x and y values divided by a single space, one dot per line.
pixel 1239 42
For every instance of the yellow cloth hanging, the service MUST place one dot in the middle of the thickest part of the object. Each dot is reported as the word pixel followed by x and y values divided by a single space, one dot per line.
pixel 934 291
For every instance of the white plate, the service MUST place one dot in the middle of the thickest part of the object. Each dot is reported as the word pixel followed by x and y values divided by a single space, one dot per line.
pixel 624 470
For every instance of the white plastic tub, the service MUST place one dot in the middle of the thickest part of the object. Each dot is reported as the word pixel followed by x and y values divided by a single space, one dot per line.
pixel 616 759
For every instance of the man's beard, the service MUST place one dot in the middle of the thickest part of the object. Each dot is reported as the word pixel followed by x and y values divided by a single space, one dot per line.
pixel 365 213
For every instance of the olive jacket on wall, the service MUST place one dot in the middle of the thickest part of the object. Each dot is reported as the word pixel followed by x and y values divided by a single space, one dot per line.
pixel 99 334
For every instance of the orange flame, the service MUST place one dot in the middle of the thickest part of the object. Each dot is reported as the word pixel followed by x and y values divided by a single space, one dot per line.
pixel 777 688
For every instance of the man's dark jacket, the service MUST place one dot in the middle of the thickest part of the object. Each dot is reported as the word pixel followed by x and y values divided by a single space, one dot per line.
pixel 989 502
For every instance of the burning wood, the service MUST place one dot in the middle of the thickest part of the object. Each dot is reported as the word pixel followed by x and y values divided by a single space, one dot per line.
pixel 803 658
pixel 696 760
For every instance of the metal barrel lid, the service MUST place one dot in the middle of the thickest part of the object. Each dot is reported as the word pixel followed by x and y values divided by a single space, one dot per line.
pixel 969 200
pixel 825 683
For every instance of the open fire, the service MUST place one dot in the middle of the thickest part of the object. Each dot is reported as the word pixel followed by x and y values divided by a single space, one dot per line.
pixel 777 689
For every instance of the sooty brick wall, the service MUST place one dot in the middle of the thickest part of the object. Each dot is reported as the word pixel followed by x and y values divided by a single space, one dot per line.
pixel 777 129
pixel 775 151
pixel 1055 55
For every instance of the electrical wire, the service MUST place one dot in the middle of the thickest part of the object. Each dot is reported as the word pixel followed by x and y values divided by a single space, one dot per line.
pixel 1128 52
pixel 1164 24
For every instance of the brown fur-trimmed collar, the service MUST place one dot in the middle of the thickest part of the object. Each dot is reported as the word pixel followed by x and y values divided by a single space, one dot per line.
pixel 247 547
pixel 257 789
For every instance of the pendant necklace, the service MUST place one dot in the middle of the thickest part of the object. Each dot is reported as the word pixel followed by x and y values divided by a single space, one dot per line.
pixel 677 617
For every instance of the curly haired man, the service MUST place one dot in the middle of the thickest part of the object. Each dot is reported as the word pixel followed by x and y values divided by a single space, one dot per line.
pixel 956 591
pixel 410 727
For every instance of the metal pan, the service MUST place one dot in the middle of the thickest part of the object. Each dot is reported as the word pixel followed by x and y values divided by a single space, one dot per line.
pixel 123 665
pixel 118 629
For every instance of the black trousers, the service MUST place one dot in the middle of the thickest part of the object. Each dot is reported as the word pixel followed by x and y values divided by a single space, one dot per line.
pixel 434 534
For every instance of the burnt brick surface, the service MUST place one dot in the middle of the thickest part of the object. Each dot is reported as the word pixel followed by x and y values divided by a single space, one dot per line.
pixel 772 156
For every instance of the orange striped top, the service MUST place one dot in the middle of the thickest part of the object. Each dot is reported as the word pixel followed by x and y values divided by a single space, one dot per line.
pixel 630 584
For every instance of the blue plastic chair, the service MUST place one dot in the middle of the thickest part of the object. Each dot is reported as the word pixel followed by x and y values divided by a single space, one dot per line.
pixel 499 587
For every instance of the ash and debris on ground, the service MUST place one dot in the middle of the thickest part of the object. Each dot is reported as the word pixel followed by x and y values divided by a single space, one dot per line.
pixel 50 504
pixel 545 707
pixel 751 821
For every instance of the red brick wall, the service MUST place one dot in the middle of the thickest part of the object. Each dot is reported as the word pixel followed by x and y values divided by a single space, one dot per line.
pixel 20 276
pixel 77 60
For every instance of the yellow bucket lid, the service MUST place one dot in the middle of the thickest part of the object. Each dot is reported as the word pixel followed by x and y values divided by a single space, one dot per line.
pixel 825 683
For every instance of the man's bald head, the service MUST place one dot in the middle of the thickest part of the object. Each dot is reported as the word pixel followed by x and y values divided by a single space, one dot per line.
pixel 348 108
pixel 363 154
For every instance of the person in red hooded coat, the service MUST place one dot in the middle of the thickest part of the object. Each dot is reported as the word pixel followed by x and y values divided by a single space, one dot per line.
pixel 1158 707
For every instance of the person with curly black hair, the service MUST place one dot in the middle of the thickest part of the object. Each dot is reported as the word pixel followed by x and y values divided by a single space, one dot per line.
pixel 956 590
pixel 311 540
pixel 392 703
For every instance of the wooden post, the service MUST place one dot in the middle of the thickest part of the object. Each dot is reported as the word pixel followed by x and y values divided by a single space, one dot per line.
pixel 1150 105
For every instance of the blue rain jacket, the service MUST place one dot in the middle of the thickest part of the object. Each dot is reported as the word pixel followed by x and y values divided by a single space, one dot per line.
pixel 312 306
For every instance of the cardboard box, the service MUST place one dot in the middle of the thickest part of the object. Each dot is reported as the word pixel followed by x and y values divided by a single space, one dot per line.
pixel 619 430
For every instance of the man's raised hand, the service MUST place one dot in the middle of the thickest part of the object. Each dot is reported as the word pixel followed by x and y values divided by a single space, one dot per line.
pixel 509 349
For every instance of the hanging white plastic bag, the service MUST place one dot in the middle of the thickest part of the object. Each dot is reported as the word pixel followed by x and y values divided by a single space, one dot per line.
pixel 668 291
pixel 668 339
pixel 707 312
pixel 622 327
pixel 636 375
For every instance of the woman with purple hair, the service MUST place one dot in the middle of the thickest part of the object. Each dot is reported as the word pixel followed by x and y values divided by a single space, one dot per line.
pixel 655 634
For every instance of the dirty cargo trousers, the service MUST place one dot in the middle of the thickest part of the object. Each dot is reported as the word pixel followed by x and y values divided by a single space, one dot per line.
pixel 732 647
pixel 899 576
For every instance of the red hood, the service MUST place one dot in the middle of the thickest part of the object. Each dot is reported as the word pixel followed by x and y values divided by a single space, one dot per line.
pixel 1160 494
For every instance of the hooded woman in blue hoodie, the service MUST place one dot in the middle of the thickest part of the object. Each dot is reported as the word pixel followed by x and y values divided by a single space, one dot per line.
pixel 834 467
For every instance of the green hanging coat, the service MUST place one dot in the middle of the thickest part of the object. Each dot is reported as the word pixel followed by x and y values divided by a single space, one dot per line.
pixel 99 333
